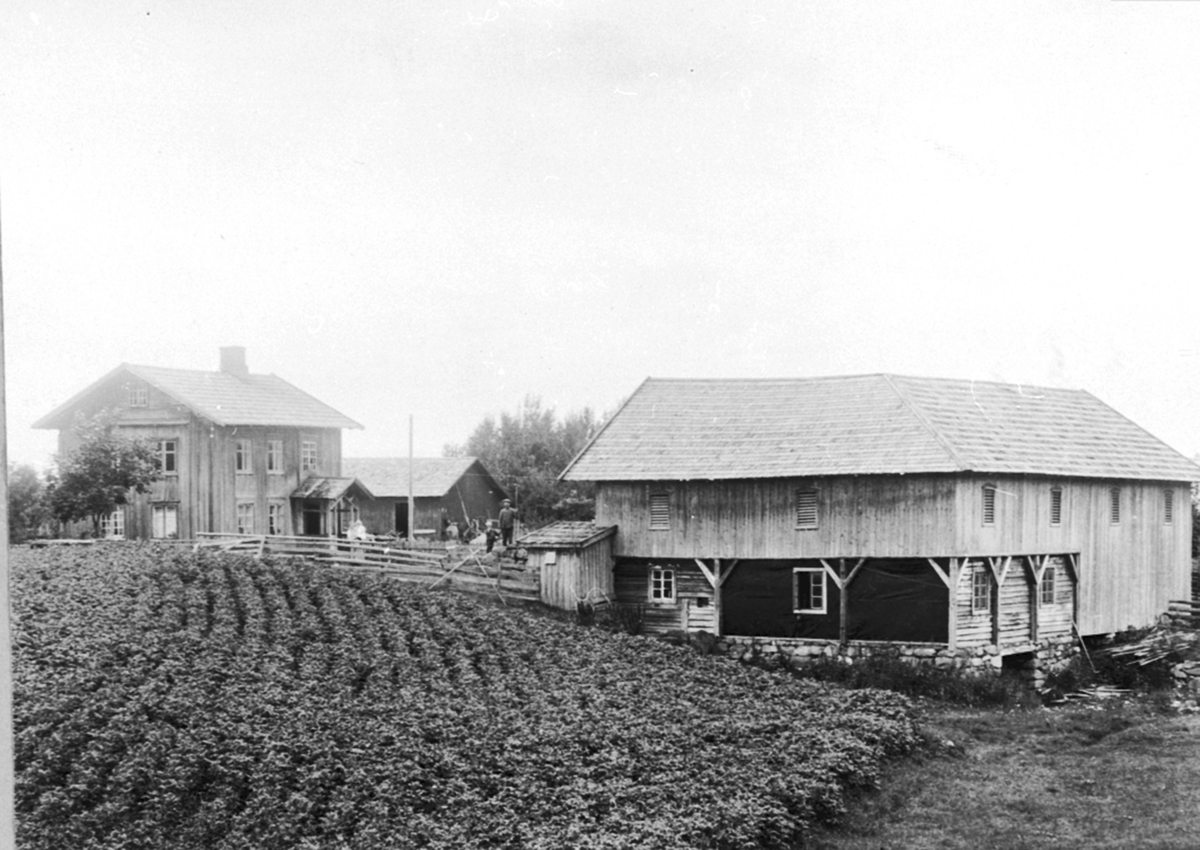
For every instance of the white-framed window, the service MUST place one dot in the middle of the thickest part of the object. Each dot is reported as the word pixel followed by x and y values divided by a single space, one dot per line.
pixel 276 518
pixel 164 520
pixel 981 590
pixel 139 395
pixel 1168 506
pixel 112 526
pixel 662 585
pixel 1049 590
pixel 245 518
pixel 806 507
pixel 166 456
pixel 274 456
pixel 308 456
pixel 1114 505
pixel 989 504
pixel 660 511
pixel 808 585
pixel 243 462
pixel 1056 505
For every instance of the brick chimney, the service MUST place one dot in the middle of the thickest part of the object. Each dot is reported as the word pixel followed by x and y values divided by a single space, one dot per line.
pixel 233 360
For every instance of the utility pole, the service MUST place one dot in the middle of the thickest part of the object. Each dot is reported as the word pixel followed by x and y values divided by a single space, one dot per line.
pixel 412 513
pixel 8 828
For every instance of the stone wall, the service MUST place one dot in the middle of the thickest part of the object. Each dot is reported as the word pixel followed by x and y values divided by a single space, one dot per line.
pixel 1035 662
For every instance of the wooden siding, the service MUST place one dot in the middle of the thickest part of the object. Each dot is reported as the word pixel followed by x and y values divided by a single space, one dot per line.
pixel 1129 571
pixel 631 583
pixel 576 574
pixel 1055 618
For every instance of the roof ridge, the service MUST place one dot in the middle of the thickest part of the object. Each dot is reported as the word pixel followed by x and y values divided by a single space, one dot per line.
pixel 921 418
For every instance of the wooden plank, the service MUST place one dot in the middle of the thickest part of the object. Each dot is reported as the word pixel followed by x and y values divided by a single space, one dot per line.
pixel 832 573
pixel 842 602
pixel 708 574
pixel 952 586
pixel 854 572
pixel 941 573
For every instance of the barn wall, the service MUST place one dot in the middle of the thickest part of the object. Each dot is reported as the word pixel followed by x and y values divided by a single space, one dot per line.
pixel 577 574
pixel 1129 571
pixel 631 582
pixel 869 516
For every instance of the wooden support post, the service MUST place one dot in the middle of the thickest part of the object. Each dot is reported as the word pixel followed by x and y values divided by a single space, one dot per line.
pixel 842 608
pixel 993 563
pixel 952 622
pixel 1035 594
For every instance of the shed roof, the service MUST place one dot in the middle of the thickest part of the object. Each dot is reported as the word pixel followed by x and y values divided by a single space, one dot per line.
pixel 679 429
pixel 224 398
pixel 565 534
pixel 432 476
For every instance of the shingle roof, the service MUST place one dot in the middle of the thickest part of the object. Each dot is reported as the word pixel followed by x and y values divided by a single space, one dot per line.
pixel 221 397
pixel 432 476
pixel 674 429
pixel 318 487
pixel 566 534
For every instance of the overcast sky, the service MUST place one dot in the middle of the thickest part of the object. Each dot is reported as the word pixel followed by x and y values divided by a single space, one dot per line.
pixel 437 208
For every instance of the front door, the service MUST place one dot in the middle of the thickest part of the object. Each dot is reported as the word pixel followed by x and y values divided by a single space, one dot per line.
pixel 314 519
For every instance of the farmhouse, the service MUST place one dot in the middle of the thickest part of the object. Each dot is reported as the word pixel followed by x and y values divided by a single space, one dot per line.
pixel 460 489
pixel 238 452
pixel 942 513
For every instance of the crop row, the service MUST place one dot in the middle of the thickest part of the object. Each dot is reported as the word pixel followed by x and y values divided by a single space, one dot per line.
pixel 205 700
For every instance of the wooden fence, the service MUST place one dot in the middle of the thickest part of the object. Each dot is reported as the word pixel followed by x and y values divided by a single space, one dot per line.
pixel 459 567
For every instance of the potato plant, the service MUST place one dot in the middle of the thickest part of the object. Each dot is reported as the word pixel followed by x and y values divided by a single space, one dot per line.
pixel 167 699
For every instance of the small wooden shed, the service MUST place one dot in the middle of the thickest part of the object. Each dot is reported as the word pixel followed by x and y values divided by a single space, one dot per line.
pixel 574 560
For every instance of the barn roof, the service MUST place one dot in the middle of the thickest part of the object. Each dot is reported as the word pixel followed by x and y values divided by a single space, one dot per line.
pixel 566 534
pixel 679 429
pixel 224 398
pixel 432 476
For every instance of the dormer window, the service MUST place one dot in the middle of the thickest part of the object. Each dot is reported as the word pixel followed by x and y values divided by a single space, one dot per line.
pixel 139 395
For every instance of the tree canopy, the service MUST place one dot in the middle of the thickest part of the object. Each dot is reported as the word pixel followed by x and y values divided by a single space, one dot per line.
pixel 98 476
pixel 525 451
pixel 27 506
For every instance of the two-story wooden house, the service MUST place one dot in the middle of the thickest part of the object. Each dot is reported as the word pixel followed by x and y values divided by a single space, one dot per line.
pixel 238 452
pixel 886 508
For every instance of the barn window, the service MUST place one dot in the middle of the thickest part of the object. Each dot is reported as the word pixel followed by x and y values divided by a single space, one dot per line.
pixel 662 585
pixel 660 515
pixel 139 396
pixel 308 456
pixel 806 508
pixel 981 590
pixel 242 462
pixel 245 518
pixel 1114 505
pixel 989 504
pixel 809 586
pixel 1056 505
pixel 275 518
pixel 1168 506
pixel 1049 585
pixel 112 526
pixel 274 456
pixel 166 456
pixel 164 521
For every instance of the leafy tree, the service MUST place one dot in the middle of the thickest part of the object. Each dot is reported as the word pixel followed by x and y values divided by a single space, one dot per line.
pixel 28 508
pixel 527 450
pixel 97 477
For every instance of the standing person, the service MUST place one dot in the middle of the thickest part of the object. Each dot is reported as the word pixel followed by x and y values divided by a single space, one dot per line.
pixel 491 534
pixel 508 519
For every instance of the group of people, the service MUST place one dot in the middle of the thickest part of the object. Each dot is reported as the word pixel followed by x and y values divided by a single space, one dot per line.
pixel 501 529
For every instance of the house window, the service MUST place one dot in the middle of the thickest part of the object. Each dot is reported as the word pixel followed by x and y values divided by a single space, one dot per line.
pixel 242 461
pixel 981 590
pixel 245 518
pixel 1049 585
pixel 275 518
pixel 806 508
pixel 139 396
pixel 1056 505
pixel 662 585
pixel 809 586
pixel 660 516
pixel 112 526
pixel 164 521
pixel 1114 505
pixel 989 504
pixel 167 456
pixel 308 456
pixel 274 456
pixel 1168 506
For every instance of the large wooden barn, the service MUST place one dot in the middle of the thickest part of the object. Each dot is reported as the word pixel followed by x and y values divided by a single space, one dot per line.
pixel 238 452
pixel 887 508
pixel 454 489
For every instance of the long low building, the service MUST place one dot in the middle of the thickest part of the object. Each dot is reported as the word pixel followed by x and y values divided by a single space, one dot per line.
pixel 889 508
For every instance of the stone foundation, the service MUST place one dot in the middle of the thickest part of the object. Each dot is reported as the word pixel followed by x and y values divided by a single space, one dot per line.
pixel 1049 654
